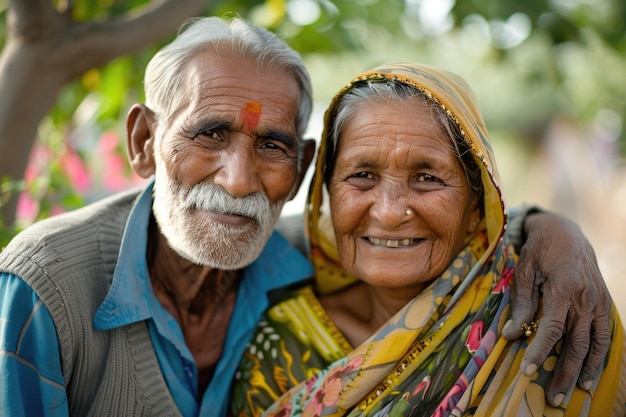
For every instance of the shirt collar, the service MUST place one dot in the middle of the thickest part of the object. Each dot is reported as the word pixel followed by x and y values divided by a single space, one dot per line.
pixel 127 299
pixel 130 297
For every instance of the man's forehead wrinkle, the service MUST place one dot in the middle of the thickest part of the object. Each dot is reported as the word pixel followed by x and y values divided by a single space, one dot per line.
pixel 220 96
pixel 208 91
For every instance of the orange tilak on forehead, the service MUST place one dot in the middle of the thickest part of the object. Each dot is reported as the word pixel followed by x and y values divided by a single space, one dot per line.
pixel 251 115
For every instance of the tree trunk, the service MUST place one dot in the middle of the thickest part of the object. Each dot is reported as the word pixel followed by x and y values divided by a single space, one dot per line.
pixel 45 49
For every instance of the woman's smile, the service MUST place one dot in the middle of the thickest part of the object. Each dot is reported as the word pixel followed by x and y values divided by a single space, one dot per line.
pixel 393 243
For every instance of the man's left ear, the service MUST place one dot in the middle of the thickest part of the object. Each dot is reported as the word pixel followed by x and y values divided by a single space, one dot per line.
pixel 306 156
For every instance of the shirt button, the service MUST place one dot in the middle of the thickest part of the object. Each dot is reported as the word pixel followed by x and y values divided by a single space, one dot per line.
pixel 188 370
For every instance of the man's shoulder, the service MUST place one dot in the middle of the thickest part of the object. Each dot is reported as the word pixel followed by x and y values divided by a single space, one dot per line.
pixel 76 231
pixel 98 210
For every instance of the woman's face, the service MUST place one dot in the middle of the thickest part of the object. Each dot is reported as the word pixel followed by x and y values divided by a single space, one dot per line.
pixel 393 157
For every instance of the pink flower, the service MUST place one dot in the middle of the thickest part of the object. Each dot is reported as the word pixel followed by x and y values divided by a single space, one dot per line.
pixel 108 142
pixel 76 170
pixel 449 402
pixel 27 207
pixel 422 386
pixel 503 284
pixel 328 393
pixel 116 173
pixel 57 209
pixel 475 335
pixel 40 156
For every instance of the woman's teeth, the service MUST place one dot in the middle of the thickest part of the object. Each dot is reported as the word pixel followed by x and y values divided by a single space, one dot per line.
pixel 390 243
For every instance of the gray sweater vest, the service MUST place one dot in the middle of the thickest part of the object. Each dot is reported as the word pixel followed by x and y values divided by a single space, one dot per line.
pixel 68 260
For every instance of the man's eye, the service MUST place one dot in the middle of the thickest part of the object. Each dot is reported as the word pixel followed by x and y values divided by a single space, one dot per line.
pixel 210 139
pixel 272 146
pixel 208 135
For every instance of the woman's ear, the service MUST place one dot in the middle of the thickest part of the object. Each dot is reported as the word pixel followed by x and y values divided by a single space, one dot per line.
pixel 140 140
pixel 475 217
pixel 305 155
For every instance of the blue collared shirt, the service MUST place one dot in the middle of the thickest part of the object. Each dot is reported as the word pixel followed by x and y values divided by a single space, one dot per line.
pixel 31 380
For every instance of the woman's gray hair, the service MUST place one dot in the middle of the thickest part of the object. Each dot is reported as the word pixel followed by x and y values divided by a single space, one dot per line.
pixel 164 73
pixel 395 91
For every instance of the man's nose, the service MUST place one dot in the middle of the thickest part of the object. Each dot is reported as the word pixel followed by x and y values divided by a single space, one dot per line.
pixel 239 173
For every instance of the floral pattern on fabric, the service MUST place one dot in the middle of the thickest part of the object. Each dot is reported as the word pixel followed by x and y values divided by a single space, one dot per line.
pixel 295 341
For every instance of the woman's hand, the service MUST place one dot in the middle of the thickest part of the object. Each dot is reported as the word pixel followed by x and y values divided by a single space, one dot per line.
pixel 558 262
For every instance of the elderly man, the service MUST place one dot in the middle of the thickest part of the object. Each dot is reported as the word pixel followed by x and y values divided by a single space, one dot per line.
pixel 142 304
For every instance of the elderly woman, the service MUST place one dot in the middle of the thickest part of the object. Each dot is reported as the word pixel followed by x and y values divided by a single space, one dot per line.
pixel 406 224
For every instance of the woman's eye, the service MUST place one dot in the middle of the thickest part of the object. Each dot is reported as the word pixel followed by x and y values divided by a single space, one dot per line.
pixel 427 182
pixel 366 175
pixel 427 178
pixel 363 180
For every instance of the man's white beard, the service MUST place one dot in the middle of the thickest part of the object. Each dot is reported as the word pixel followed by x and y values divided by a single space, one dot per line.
pixel 192 233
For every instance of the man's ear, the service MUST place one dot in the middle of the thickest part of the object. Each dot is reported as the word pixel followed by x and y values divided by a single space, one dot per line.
pixel 306 156
pixel 140 140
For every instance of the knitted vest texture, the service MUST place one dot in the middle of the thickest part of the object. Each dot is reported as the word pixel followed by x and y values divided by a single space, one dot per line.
pixel 68 260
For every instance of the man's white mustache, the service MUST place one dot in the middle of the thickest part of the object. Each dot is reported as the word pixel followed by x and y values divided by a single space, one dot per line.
pixel 214 198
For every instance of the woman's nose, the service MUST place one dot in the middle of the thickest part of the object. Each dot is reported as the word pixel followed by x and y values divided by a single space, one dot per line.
pixel 391 207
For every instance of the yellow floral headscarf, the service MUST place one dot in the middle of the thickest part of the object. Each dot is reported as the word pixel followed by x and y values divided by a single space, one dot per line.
pixel 453 95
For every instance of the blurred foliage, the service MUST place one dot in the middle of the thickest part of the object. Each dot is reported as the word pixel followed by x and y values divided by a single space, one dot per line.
pixel 527 60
